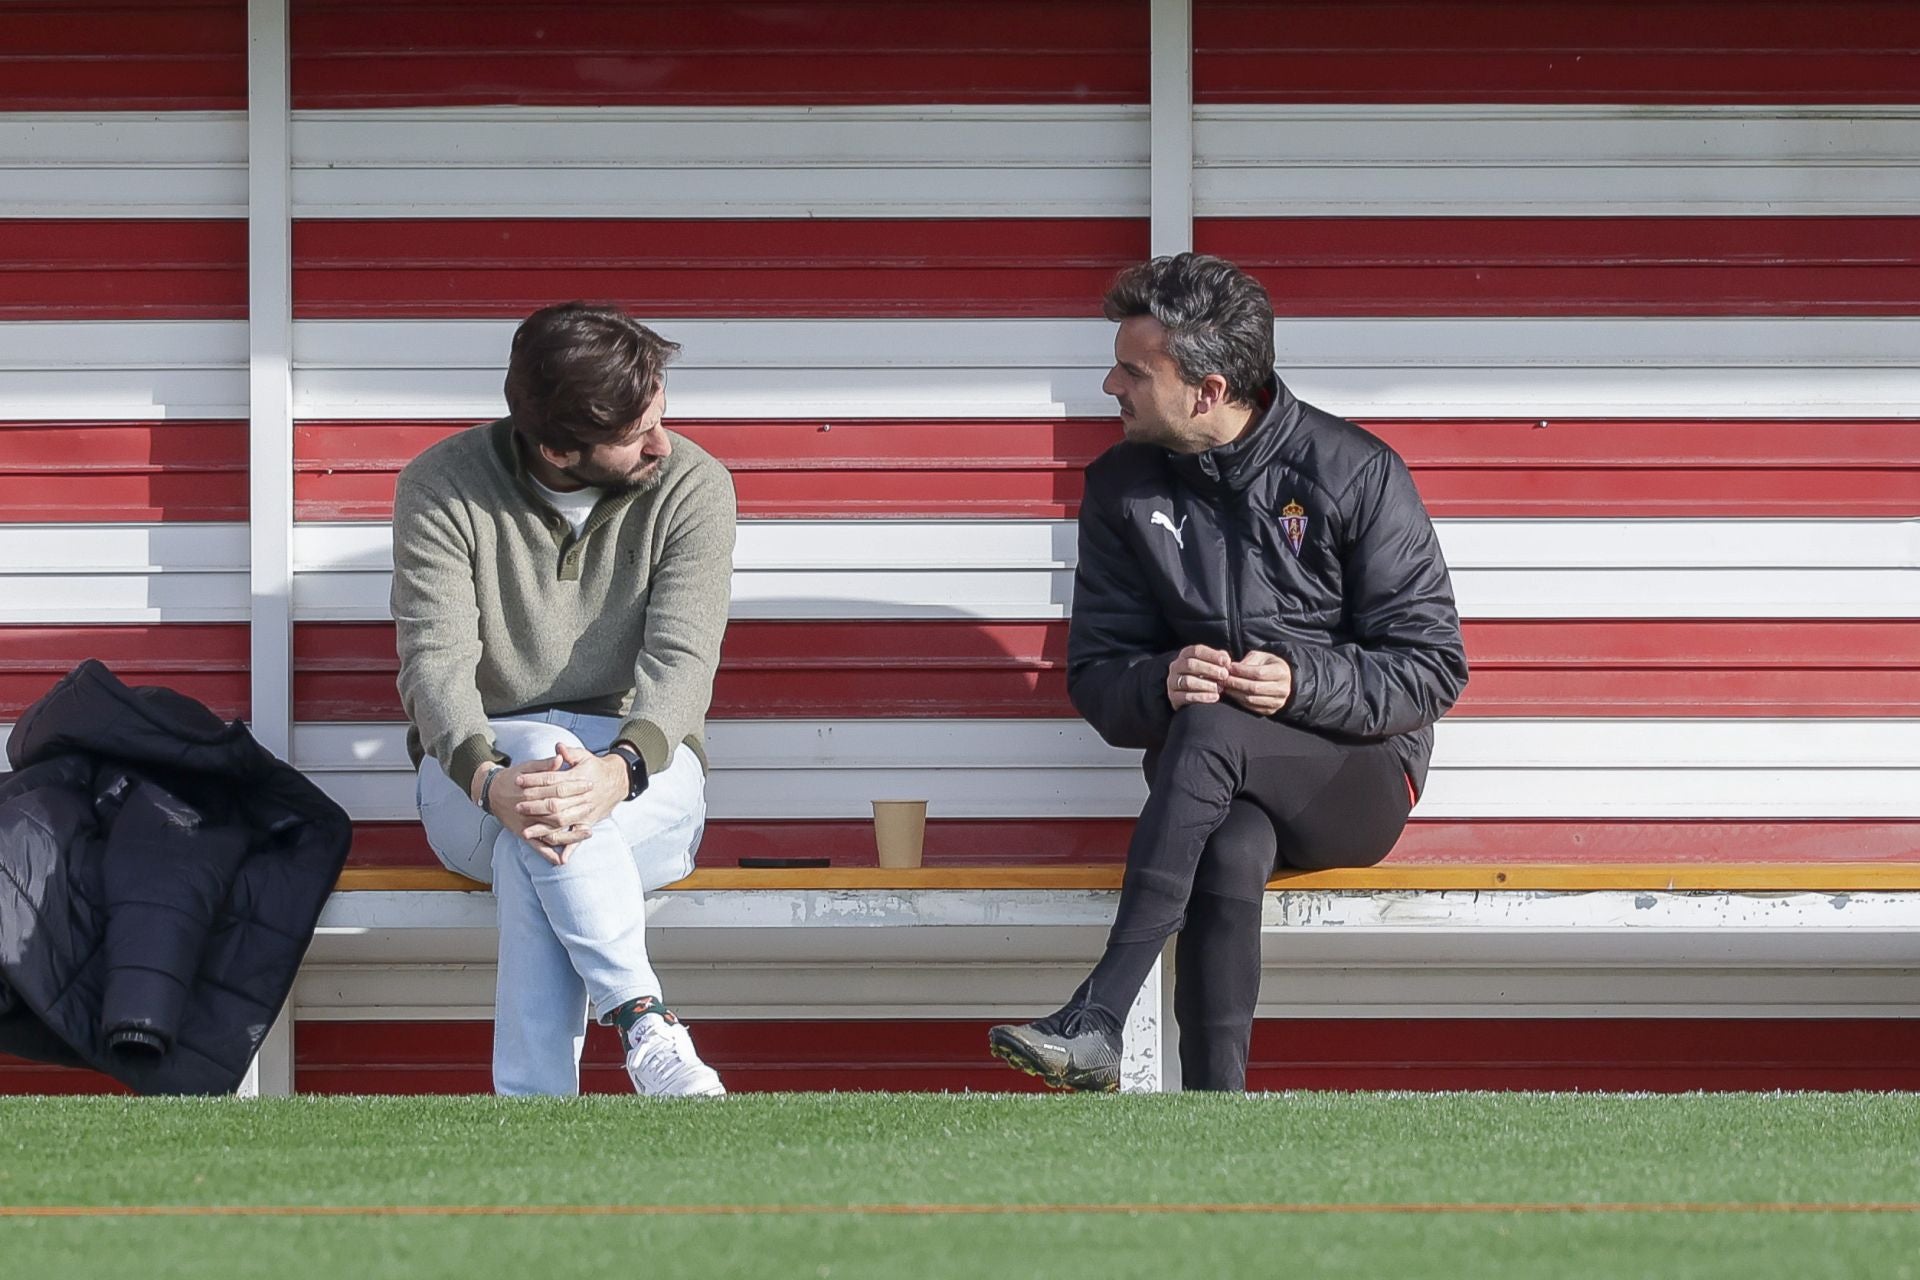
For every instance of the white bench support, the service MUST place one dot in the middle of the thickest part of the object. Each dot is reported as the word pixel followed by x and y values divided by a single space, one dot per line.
pixel 271 1075
pixel 1150 1056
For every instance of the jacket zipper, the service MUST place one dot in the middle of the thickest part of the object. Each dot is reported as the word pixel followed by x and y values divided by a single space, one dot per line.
pixel 1233 581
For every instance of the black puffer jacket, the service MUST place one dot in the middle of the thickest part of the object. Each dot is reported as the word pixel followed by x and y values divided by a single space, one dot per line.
pixel 161 874
pixel 1304 538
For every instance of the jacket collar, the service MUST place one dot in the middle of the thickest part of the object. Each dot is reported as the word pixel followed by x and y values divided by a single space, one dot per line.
pixel 1230 468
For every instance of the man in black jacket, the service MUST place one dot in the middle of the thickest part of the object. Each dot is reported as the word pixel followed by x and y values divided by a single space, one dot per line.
pixel 1262 607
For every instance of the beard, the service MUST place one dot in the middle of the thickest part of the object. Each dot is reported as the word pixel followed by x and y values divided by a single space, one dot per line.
pixel 1142 431
pixel 641 481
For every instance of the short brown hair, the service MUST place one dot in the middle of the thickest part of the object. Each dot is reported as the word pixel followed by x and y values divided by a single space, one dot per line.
pixel 582 375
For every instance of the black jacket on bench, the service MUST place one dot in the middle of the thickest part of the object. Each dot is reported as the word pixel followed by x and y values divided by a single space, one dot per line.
pixel 1304 538
pixel 161 874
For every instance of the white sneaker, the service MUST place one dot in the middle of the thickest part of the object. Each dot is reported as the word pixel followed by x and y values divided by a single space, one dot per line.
pixel 662 1063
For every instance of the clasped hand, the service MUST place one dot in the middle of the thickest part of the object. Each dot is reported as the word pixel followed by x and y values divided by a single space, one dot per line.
pixel 1261 682
pixel 553 804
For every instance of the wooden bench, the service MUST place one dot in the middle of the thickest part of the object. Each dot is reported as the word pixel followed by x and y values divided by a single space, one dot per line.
pixel 1397 940
pixel 1830 877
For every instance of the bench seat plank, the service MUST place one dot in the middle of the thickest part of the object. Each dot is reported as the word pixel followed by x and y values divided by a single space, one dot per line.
pixel 1833 877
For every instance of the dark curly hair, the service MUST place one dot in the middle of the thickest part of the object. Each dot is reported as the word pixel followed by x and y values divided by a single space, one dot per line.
pixel 1218 318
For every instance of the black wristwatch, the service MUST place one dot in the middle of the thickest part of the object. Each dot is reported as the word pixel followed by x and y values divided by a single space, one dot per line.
pixel 636 768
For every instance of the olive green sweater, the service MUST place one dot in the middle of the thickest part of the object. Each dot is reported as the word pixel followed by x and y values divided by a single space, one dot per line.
pixel 501 609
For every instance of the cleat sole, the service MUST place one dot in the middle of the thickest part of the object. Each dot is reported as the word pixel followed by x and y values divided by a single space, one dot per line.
pixel 1011 1052
pixel 1015 1057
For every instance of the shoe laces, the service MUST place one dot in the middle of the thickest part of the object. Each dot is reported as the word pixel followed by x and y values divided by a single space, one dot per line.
pixel 1070 1021
pixel 663 1052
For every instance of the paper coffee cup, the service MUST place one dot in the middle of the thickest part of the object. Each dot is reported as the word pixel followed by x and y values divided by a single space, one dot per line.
pixel 900 831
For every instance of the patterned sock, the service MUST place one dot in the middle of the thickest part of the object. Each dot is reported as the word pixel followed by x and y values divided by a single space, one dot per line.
pixel 626 1018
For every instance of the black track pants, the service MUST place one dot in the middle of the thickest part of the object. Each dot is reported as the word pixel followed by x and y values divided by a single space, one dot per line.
pixel 1232 796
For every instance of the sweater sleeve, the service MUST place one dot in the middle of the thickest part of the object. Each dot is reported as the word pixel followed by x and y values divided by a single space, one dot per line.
pixel 437 624
pixel 687 601
pixel 1407 664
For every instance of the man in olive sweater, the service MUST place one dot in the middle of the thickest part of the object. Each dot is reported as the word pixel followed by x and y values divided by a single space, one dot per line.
pixel 560 587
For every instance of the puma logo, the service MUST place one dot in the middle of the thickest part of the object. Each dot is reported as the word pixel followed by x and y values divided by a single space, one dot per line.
pixel 1165 521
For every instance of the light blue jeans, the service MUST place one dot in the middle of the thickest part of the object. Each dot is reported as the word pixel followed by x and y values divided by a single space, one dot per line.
pixel 573 938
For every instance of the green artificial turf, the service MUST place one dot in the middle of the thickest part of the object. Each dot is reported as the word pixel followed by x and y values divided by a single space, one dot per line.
pixel 837 1150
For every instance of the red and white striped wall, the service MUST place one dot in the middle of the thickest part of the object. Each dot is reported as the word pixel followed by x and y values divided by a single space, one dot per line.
pixel 1641 309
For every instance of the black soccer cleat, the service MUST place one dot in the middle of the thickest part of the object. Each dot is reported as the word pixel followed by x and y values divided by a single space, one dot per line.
pixel 1088 1062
